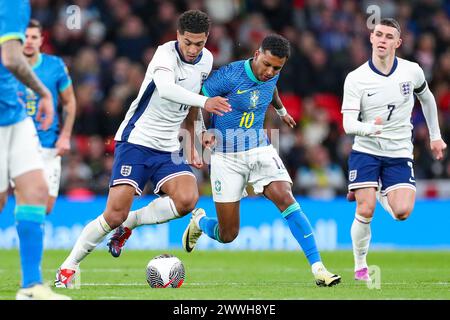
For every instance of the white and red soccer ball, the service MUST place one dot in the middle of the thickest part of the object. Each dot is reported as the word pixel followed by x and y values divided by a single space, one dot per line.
pixel 165 271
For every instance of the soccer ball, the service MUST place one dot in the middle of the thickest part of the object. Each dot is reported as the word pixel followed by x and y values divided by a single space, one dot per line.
pixel 165 271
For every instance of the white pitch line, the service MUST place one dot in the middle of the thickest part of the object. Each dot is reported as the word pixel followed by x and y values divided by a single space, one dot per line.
pixel 106 270
pixel 186 284
pixel 416 284
pixel 130 284
pixel 117 298
pixel 114 284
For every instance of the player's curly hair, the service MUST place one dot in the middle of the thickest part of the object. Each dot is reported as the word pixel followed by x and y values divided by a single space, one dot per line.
pixel 194 21
pixel 277 45
pixel 390 22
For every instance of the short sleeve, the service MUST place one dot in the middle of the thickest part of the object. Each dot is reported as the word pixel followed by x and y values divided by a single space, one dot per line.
pixel 218 83
pixel 64 81
pixel 352 95
pixel 420 83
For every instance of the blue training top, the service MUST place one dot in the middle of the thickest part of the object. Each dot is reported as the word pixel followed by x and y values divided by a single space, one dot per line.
pixel 53 73
pixel 14 18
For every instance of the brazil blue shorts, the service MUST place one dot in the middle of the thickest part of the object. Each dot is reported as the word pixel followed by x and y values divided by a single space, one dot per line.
pixel 136 165
pixel 367 170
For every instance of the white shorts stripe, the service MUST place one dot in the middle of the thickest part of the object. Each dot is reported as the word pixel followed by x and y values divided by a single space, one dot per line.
pixel 171 176
pixel 398 186
pixel 128 181
pixel 361 185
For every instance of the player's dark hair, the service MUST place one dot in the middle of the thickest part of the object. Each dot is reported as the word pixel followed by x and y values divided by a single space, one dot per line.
pixel 194 21
pixel 277 45
pixel 390 22
pixel 35 24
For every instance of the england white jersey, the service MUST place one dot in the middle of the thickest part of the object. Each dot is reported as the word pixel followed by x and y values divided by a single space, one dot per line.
pixel 390 97
pixel 152 121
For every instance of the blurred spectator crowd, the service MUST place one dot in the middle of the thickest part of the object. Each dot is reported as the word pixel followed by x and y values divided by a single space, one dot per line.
pixel 107 58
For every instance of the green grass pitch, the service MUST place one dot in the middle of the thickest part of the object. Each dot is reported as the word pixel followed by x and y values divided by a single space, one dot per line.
pixel 242 275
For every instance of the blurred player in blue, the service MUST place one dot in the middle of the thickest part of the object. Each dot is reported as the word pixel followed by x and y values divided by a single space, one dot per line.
pixel 52 71
pixel 20 158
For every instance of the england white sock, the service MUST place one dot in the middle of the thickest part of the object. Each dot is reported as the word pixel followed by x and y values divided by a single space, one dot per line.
pixel 383 200
pixel 94 233
pixel 159 210
pixel 361 235
pixel 317 266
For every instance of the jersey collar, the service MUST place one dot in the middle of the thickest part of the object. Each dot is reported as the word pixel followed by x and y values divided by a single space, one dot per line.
pixel 374 69
pixel 38 62
pixel 249 72
pixel 182 58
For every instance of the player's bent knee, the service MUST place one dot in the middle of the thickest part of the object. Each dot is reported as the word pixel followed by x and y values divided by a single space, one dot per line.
pixel 285 201
pixel 186 203
pixel 228 236
pixel 402 211
pixel 365 209
pixel 115 216
pixel 113 220
pixel 402 215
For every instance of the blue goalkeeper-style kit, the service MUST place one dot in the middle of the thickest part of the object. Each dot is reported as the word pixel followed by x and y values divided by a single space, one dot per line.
pixel 14 128
pixel 53 73
pixel 14 17
pixel 241 129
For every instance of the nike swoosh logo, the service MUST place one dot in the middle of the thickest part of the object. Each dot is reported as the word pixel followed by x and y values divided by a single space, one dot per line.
pixel 412 180
pixel 181 79
pixel 371 94
pixel 242 91
pixel 187 242
pixel 308 235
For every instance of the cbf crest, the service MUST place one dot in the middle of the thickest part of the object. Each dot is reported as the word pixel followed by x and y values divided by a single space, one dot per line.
pixel 217 186
pixel 254 97
pixel 405 88
pixel 125 171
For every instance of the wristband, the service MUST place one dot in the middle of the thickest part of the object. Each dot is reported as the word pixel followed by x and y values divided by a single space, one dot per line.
pixel 281 112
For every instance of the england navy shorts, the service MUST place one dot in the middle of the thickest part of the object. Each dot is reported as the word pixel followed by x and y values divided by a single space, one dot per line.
pixel 136 165
pixel 367 170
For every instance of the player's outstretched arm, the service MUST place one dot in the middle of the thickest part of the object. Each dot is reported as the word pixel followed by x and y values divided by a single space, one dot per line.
pixel 429 109
pixel 14 60
pixel 281 110
pixel 168 89
pixel 69 108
